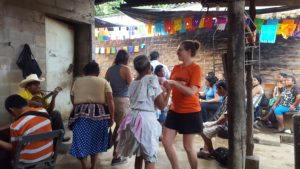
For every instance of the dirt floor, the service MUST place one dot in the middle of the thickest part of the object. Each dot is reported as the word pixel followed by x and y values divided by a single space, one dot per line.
pixel 272 156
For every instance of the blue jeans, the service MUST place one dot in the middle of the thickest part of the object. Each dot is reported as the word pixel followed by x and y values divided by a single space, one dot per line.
pixel 208 109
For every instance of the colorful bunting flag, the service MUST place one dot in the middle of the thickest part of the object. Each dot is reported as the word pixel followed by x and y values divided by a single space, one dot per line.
pixel 279 29
pixel 258 23
pixel 288 30
pixel 208 22
pixel 130 49
pixel 201 25
pixel 167 25
pixel 177 24
pixel 107 51
pixel 149 29
pixel 125 48
pixel 113 50
pixel 268 33
pixel 288 21
pixel 97 50
pixel 196 21
pixel 102 50
pixel 182 30
pixel 188 22
pixel 297 32
pixel 221 20
pixel 136 49
pixel 272 22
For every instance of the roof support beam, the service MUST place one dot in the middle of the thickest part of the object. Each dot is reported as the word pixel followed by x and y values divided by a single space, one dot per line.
pixel 235 70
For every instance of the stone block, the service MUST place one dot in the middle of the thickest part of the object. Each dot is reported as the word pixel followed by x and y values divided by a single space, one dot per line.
pixel 15 76
pixel 65 4
pixel 286 139
pixel 252 162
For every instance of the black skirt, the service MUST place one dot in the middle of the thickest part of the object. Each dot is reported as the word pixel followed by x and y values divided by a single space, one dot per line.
pixel 184 123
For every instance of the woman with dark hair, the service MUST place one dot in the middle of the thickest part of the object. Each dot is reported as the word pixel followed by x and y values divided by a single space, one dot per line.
pixel 257 92
pixel 212 101
pixel 139 131
pixel 89 120
pixel 119 76
pixel 184 116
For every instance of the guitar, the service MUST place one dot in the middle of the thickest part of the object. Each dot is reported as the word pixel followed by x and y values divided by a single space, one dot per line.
pixel 43 99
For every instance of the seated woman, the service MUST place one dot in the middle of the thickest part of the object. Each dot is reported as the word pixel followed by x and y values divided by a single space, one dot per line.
pixel 257 92
pixel 212 100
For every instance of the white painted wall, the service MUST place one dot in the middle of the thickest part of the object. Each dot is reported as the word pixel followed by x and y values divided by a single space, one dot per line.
pixel 59 56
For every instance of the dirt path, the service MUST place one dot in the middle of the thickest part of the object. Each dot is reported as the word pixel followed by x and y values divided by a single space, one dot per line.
pixel 271 157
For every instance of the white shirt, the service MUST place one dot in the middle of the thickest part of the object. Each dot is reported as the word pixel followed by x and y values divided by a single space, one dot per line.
pixel 154 63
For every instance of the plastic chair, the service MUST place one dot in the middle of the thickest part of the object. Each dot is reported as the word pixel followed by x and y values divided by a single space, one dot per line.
pixel 49 163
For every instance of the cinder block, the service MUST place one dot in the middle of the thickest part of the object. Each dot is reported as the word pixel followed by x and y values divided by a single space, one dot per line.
pixel 252 162
pixel 40 40
pixel 21 37
pixel 34 27
pixel 66 4
pixel 12 23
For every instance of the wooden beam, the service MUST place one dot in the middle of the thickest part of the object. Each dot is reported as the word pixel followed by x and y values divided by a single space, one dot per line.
pixel 236 86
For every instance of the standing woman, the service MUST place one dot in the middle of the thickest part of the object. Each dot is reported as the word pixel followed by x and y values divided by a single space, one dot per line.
pixel 89 121
pixel 184 116
pixel 119 76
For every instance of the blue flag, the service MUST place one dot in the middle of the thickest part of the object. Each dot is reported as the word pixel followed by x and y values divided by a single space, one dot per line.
pixel 268 33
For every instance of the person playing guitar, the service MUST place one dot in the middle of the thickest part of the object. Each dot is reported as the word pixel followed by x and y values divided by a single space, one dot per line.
pixel 31 92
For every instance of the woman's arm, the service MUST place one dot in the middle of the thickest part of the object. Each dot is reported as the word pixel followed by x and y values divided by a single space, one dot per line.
pixel 214 100
pixel 5 145
pixel 111 106
pixel 275 91
pixel 186 90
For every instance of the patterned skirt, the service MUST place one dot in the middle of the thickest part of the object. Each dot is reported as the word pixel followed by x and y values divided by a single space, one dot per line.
pixel 90 135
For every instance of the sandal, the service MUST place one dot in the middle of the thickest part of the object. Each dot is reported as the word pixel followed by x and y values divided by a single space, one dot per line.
pixel 204 155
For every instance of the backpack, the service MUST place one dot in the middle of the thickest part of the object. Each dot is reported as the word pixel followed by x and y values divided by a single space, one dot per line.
pixel 221 155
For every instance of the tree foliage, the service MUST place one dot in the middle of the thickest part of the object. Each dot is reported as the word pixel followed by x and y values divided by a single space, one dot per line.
pixel 108 8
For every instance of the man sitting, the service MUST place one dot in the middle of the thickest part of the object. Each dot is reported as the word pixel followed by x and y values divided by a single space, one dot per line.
pixel 30 88
pixel 212 128
pixel 287 101
pixel 25 124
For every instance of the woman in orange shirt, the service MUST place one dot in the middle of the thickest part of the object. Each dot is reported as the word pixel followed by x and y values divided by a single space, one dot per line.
pixel 184 116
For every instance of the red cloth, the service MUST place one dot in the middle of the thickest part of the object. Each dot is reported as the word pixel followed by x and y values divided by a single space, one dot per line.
pixel 188 22
pixel 208 22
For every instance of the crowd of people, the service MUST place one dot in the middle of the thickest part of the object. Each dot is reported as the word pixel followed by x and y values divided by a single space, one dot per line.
pixel 154 106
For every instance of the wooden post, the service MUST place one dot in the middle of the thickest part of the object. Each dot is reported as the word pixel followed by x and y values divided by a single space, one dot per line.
pixel 236 87
pixel 249 86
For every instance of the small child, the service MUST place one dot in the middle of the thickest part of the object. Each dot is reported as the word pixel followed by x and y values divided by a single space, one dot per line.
pixel 139 131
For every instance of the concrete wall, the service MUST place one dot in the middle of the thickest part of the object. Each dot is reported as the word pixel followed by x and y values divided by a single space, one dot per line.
pixel 24 22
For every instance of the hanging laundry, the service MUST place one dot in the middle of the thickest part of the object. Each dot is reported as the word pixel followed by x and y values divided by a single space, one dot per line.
pixel 159 27
pixel 272 22
pixel 142 46
pixel 125 48
pixel 150 29
pixel 101 38
pixel 177 24
pixel 118 48
pixel 258 23
pixel 279 29
pixel 208 22
pixel 136 49
pixel 196 21
pixel 268 33
pixel 188 22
